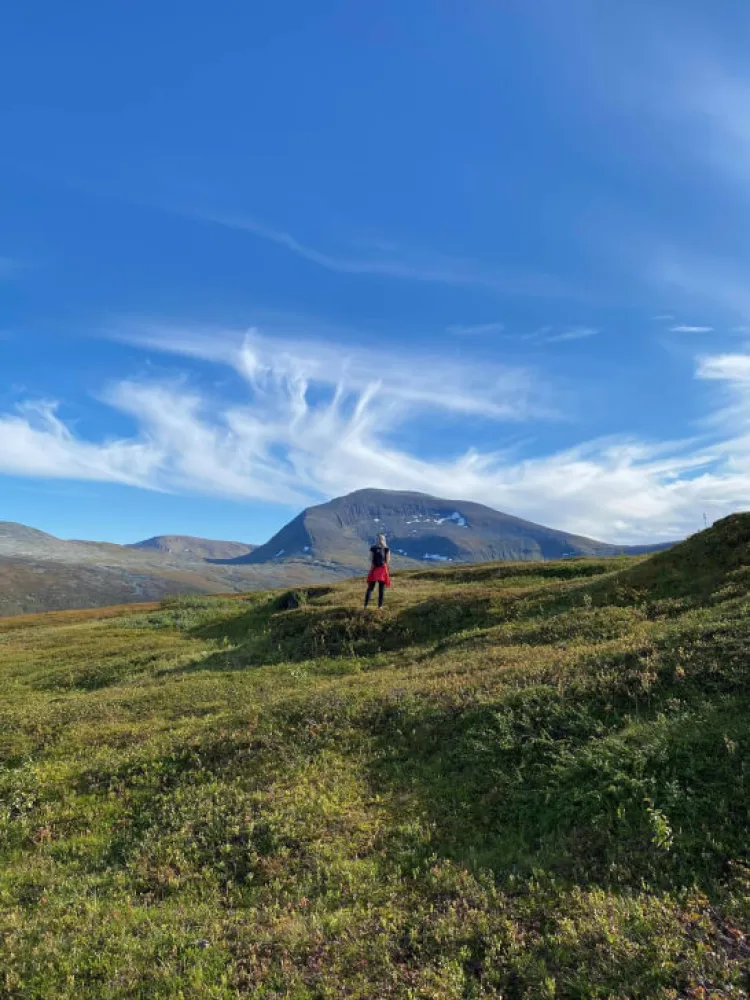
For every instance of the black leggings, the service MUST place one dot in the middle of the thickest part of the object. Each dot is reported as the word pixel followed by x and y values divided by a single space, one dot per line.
pixel 381 593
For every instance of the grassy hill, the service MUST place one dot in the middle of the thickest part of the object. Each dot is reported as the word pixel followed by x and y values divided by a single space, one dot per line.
pixel 518 780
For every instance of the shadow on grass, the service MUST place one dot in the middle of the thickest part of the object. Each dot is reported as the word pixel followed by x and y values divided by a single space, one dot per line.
pixel 265 636
pixel 636 774
pixel 293 627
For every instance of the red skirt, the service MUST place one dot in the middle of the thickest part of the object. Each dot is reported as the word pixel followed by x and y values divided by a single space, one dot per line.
pixel 379 574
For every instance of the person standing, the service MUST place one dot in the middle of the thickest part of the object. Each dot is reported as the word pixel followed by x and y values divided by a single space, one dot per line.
pixel 380 561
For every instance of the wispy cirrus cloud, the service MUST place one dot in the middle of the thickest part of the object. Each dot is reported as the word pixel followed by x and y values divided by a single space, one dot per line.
pixel 553 335
pixel 687 107
pixel 544 335
pixel 406 379
pixel 578 333
pixel 683 328
pixel 717 282
pixel 703 111
pixel 301 432
pixel 401 262
pixel 713 94
pixel 475 330
pixel 10 269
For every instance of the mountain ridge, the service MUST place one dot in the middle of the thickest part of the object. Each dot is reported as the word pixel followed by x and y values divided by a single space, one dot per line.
pixel 323 543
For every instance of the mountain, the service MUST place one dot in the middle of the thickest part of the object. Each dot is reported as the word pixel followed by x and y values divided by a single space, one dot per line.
pixel 39 572
pixel 420 528
pixel 185 546
pixel 20 540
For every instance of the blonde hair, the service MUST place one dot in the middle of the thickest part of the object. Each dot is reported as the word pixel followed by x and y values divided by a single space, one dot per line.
pixel 381 539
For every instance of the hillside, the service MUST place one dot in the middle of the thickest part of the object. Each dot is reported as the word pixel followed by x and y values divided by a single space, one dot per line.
pixel 510 783
pixel 419 529
pixel 39 572
pixel 20 540
pixel 30 585
pixel 187 547
pixel 712 565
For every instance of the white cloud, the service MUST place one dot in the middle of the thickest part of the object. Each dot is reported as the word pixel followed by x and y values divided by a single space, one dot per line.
pixel 35 442
pixel 731 368
pixel 691 329
pixel 316 423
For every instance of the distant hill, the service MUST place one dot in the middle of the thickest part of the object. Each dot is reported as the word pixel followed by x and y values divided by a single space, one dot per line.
pixel 186 546
pixel 419 529
pixel 39 572
pixel 20 540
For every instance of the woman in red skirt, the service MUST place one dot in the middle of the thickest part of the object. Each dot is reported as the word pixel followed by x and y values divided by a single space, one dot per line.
pixel 380 560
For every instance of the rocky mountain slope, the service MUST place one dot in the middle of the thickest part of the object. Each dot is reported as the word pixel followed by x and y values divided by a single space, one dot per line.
pixel 420 528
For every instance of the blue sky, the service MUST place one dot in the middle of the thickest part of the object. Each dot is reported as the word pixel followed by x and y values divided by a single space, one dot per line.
pixel 254 256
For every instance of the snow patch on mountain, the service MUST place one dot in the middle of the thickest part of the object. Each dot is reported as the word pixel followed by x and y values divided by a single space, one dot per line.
pixel 455 516
pixel 426 519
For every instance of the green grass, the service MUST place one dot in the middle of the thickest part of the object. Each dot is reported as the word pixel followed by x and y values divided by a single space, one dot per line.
pixel 517 781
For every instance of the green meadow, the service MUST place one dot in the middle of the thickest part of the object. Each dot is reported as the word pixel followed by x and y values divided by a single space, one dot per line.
pixel 516 781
